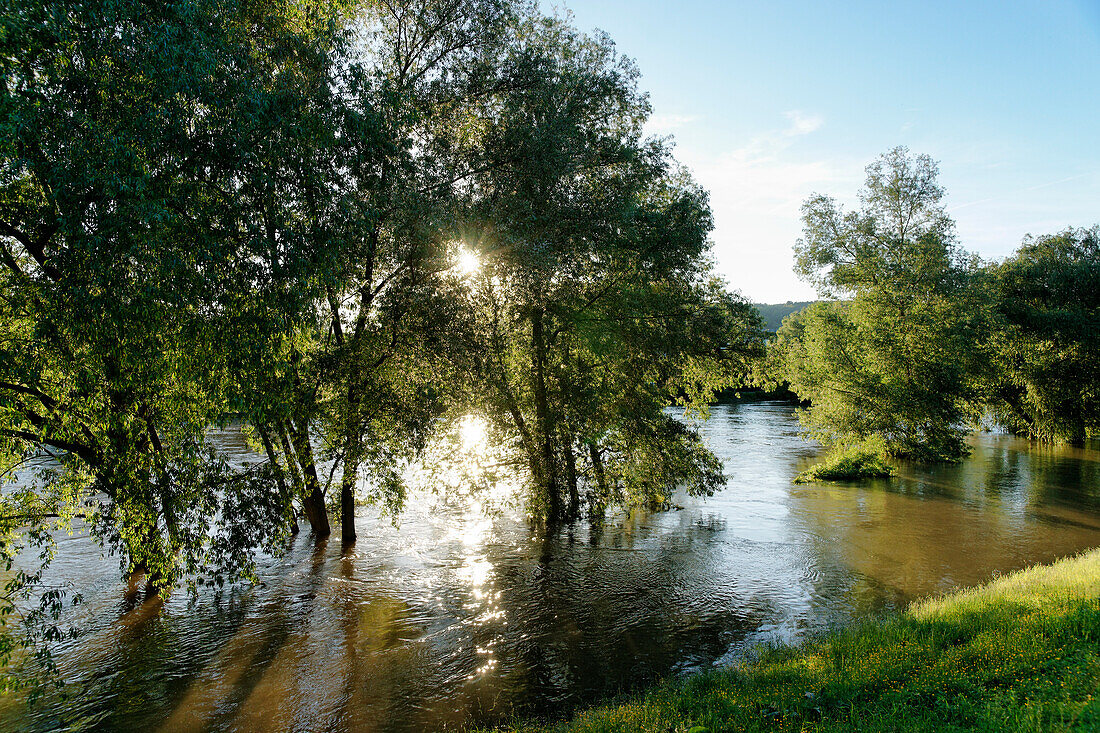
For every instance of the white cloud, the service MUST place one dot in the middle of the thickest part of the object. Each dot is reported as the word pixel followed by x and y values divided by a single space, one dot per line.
pixel 801 123
pixel 666 124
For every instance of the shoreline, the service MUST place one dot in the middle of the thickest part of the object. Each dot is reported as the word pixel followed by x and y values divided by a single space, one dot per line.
pixel 1021 652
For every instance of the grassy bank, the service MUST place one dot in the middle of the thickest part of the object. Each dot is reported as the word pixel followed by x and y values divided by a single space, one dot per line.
pixel 1019 654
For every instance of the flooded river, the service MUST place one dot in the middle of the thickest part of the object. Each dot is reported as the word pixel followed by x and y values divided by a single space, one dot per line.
pixel 458 617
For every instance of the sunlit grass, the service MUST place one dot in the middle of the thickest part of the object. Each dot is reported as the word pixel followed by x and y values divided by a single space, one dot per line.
pixel 1019 654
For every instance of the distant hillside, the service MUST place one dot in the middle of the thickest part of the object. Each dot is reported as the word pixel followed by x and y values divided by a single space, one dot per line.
pixel 774 314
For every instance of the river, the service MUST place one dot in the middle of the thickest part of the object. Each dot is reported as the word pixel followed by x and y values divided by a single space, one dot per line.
pixel 460 617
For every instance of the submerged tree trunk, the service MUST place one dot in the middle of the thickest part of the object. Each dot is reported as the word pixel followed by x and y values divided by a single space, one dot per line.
pixel 550 486
pixel 313 499
pixel 571 476
pixel 352 452
pixel 347 499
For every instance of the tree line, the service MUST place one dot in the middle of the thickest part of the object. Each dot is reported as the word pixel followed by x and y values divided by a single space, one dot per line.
pixel 918 342
pixel 216 209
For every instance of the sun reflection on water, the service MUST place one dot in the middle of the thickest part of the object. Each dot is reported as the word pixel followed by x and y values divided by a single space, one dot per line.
pixel 473 431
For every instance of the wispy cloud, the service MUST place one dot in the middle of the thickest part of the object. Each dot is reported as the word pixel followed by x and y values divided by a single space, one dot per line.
pixel 1028 189
pixel 771 143
pixel 764 176
pixel 668 123
pixel 802 123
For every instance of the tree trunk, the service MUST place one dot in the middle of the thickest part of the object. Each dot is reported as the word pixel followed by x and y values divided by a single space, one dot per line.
pixel 571 476
pixel 294 478
pixel 597 497
pixel 352 451
pixel 550 485
pixel 347 499
pixel 313 499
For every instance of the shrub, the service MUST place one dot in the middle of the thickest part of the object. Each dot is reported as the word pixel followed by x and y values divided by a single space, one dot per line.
pixel 849 463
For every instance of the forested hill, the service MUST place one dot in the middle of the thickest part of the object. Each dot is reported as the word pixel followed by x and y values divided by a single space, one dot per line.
pixel 774 314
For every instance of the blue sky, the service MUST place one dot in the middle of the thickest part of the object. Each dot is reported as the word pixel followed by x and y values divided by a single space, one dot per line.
pixel 773 100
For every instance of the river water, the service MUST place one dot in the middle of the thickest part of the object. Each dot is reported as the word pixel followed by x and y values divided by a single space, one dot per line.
pixel 461 617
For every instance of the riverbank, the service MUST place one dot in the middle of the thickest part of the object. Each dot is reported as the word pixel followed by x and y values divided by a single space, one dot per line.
pixel 1021 653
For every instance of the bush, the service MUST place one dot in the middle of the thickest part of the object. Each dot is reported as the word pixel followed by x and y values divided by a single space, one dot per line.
pixel 849 463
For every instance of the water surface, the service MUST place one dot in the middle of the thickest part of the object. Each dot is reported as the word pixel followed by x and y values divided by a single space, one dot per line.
pixel 457 617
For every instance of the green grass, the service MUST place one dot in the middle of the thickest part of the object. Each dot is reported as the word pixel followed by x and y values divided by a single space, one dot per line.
pixel 848 463
pixel 1019 654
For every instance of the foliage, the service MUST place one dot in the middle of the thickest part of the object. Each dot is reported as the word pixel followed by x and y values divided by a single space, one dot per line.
pixel 1047 343
pixel 896 352
pixel 849 462
pixel 381 354
pixel 218 209
pixel 595 305
pixel 1017 654
pixel 135 278
pixel 774 313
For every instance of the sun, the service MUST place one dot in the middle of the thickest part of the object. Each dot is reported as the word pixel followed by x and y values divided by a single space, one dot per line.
pixel 472 431
pixel 467 263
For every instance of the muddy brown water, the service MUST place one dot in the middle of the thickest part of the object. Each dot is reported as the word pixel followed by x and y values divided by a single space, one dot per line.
pixel 457 617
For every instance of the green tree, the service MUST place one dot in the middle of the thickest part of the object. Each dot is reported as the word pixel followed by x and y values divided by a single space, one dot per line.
pixel 1047 381
pixel 377 368
pixel 136 271
pixel 896 351
pixel 594 307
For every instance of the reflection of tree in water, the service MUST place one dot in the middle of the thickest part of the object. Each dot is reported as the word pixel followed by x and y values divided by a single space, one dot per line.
pixel 839 594
pixel 459 618
pixel 142 666
pixel 936 528
pixel 238 675
pixel 587 621
pixel 1065 475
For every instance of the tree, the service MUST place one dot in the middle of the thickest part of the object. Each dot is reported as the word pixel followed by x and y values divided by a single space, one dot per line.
pixel 376 367
pixel 136 268
pixel 896 351
pixel 594 307
pixel 1047 382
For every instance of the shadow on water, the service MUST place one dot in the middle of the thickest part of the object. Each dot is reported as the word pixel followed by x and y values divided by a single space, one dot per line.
pixel 459 618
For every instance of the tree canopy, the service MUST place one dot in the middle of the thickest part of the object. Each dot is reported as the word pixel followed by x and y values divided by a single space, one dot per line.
pixel 919 341
pixel 595 304
pixel 895 352
pixel 221 211
pixel 1047 342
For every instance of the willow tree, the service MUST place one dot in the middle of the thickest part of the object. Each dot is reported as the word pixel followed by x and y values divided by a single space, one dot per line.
pixel 594 307
pixel 137 277
pixel 375 367
pixel 895 350
pixel 1046 384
